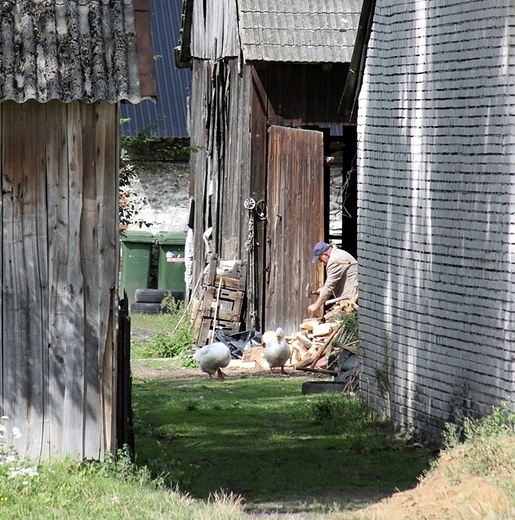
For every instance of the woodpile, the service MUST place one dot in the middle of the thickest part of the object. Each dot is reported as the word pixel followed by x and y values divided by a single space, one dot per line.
pixel 319 338
pixel 317 341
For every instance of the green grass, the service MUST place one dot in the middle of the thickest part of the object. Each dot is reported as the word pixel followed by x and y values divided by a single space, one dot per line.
pixel 262 439
pixel 166 335
pixel 68 490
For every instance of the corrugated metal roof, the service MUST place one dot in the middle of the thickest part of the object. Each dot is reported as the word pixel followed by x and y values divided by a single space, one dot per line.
pixel 68 50
pixel 302 31
pixel 168 116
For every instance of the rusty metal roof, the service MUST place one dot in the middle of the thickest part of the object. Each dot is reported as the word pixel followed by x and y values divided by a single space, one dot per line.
pixel 305 31
pixel 68 50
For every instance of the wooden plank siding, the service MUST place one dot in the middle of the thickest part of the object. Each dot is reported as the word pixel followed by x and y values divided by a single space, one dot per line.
pixel 220 169
pixel 214 30
pixel 59 256
pixel 231 114
pixel 295 222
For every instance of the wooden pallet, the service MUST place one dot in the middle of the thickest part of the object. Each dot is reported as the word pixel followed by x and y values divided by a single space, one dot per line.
pixel 220 305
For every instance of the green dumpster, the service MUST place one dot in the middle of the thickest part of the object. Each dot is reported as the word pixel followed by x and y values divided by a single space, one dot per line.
pixel 136 257
pixel 171 266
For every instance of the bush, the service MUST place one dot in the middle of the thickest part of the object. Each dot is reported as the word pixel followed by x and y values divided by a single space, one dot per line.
pixel 178 343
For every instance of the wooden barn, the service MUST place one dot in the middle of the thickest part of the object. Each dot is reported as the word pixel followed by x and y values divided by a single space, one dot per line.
pixel 436 165
pixel 64 68
pixel 267 80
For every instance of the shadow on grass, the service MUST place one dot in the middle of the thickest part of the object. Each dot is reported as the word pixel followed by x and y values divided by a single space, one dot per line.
pixel 262 439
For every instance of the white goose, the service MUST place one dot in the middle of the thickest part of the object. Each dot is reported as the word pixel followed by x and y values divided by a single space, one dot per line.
pixel 212 358
pixel 277 351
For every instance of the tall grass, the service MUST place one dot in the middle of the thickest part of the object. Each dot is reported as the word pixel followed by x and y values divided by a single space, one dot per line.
pixel 65 489
pixel 171 334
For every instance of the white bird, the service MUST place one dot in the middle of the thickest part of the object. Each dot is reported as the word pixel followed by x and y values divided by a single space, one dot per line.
pixel 212 358
pixel 277 351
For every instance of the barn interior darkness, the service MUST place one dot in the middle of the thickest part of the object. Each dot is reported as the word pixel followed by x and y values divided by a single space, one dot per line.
pixel 343 149
pixel 308 96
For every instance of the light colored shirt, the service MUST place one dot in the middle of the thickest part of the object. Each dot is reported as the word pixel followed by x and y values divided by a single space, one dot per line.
pixel 341 275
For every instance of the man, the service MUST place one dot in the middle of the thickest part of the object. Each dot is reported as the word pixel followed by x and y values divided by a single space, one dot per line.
pixel 341 274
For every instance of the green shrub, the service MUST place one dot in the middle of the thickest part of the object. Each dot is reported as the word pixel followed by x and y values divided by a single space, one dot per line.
pixel 174 338
pixel 483 439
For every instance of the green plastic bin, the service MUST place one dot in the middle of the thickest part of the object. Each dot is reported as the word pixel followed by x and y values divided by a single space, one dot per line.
pixel 171 266
pixel 136 258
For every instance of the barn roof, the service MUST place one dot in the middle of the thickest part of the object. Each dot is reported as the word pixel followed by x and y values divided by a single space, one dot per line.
pixel 293 31
pixel 168 116
pixel 69 50
pixel 307 31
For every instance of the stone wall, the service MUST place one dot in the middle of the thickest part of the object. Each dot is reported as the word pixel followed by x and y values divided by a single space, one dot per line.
pixel 160 196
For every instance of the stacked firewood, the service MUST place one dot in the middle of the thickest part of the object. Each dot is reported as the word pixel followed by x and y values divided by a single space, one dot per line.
pixel 317 341
pixel 312 343
pixel 321 338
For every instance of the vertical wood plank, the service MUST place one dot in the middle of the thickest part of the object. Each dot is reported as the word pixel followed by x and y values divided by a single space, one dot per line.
pixel 2 346
pixel 14 290
pixel 90 262
pixel 57 194
pixel 295 217
pixel 74 405
pixel 34 280
pixel 108 236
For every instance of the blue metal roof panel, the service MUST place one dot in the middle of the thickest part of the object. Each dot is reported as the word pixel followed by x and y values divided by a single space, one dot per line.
pixel 167 117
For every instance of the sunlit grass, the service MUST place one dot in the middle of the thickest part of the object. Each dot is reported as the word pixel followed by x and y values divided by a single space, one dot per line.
pixel 246 435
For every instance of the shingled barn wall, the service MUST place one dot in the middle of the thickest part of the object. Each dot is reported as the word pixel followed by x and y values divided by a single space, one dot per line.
pixel 436 211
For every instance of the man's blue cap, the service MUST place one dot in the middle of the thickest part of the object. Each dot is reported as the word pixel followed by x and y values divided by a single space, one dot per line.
pixel 320 247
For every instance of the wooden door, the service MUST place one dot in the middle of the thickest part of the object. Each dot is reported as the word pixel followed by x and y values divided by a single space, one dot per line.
pixel 295 218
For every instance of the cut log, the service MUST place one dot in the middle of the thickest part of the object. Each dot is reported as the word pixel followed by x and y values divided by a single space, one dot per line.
pixel 255 354
pixel 323 329
pixel 321 350
pixel 306 342
pixel 308 325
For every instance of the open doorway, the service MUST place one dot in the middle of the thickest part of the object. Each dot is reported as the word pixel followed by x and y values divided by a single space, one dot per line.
pixel 340 190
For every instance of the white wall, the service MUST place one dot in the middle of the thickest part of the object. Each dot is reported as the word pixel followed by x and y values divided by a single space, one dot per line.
pixel 161 196
pixel 436 210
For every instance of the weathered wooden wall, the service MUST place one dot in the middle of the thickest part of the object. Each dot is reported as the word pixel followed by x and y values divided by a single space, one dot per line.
pixel 220 169
pixel 232 112
pixel 436 206
pixel 214 30
pixel 59 265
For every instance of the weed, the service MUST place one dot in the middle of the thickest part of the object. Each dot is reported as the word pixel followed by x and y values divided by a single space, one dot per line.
pixel 13 470
pixel 191 406
pixel 385 375
pixel 165 344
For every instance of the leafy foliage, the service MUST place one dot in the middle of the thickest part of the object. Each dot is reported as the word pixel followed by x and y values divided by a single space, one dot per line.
pixel 483 439
pixel 178 343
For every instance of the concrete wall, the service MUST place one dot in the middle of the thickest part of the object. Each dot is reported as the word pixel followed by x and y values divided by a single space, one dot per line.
pixel 436 210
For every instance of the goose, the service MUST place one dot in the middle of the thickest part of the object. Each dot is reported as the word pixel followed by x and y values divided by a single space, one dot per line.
pixel 212 358
pixel 277 351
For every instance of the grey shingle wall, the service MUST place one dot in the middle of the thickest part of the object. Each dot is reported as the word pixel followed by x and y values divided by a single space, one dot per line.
pixel 68 50
pixel 436 217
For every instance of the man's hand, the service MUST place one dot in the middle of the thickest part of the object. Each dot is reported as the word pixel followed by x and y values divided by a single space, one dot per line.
pixel 312 309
